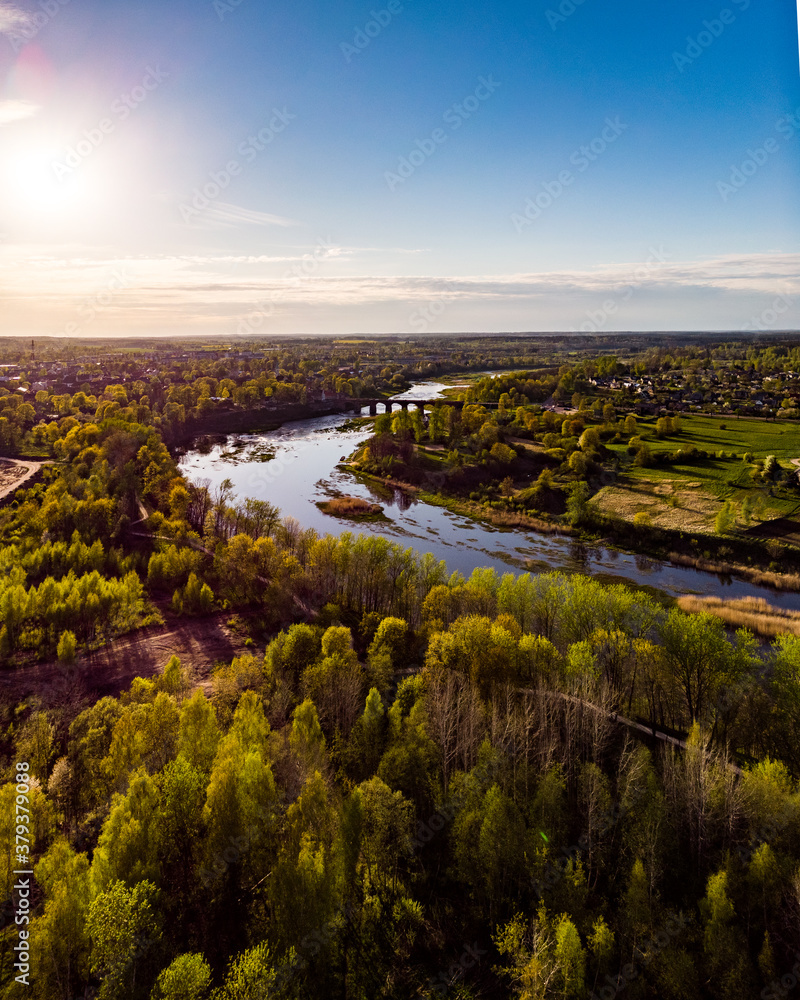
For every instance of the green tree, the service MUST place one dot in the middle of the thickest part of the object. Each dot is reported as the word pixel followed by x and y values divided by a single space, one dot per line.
pixel 252 976
pixel 571 958
pixel 578 509
pixel 59 939
pixel 725 519
pixel 198 732
pixel 699 655
pixel 35 744
pixel 123 926
pixel 719 935
pixel 187 978
pixel 66 647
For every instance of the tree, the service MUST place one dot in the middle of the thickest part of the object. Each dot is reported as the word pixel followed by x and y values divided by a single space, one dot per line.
pixel 601 944
pixel 198 732
pixel 578 463
pixel 35 744
pixel 699 656
pixel 59 939
pixel 725 519
pixel 500 848
pixel 126 851
pixel 502 453
pixel 187 978
pixel 578 510
pixel 719 935
pixel 571 959
pixel 385 832
pixel 66 647
pixel 387 650
pixel 251 976
pixel 306 738
pixel 123 926
pixel 301 647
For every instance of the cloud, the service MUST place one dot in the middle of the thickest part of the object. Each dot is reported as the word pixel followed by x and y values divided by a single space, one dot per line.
pixel 193 292
pixel 14 111
pixel 12 19
pixel 233 215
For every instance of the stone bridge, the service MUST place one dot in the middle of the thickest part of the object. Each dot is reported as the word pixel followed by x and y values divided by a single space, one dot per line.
pixel 402 404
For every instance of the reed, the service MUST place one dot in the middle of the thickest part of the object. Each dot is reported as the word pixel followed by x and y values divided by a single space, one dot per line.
pixel 753 613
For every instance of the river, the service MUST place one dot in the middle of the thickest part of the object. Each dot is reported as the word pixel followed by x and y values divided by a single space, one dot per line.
pixel 304 471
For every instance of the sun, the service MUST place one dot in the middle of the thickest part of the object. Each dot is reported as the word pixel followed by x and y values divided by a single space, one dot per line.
pixel 34 183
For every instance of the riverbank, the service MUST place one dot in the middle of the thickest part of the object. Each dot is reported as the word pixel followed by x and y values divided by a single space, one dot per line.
pixel 311 466
pixel 464 508
pixel 253 420
pixel 609 537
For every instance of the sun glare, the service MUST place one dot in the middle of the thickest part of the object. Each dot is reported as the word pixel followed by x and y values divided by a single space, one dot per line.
pixel 33 184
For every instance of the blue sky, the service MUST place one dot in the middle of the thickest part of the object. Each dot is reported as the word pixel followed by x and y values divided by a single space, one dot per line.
pixel 538 166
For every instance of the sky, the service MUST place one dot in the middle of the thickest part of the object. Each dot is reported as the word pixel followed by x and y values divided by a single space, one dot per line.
pixel 221 167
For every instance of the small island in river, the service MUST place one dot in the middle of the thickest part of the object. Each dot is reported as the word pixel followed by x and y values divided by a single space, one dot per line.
pixel 355 508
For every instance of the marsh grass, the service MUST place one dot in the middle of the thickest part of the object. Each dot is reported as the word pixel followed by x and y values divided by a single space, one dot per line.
pixel 753 613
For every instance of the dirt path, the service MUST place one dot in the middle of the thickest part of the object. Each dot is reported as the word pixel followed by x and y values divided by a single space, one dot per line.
pixel 199 642
pixel 14 472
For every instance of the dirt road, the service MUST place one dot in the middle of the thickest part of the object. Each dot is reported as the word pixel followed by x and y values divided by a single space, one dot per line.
pixel 199 642
pixel 14 472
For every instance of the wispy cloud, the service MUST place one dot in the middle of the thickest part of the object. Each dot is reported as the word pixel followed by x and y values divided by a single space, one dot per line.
pixel 223 273
pixel 12 18
pixel 199 292
pixel 14 111
pixel 223 214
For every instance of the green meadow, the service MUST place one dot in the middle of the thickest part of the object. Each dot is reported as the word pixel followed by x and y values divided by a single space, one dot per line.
pixel 688 495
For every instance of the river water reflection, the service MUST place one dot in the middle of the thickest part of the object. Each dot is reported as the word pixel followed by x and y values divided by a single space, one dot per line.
pixel 304 471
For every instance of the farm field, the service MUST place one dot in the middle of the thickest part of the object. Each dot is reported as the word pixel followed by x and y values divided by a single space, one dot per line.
pixel 687 496
pixel 780 438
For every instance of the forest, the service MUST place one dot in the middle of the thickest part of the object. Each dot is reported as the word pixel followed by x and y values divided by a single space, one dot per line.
pixel 412 783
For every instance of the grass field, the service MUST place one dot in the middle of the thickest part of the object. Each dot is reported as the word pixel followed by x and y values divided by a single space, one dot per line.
pixel 780 438
pixel 688 496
